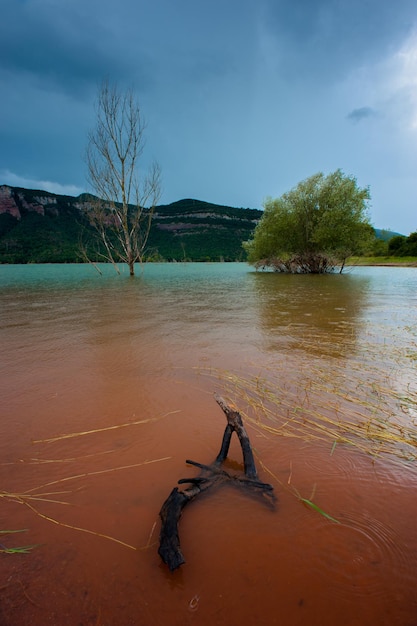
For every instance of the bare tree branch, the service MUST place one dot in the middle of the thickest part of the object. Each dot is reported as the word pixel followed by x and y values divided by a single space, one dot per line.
pixel 122 213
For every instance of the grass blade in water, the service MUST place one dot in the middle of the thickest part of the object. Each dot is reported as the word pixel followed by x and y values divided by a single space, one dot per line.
pixel 319 510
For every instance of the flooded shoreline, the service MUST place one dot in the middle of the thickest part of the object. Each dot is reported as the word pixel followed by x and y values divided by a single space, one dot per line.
pixel 107 388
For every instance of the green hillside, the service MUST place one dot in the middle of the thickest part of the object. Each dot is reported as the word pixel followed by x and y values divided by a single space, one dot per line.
pixel 40 227
pixel 200 231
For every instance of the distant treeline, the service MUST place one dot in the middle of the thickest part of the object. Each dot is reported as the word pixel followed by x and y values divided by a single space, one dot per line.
pixel 403 246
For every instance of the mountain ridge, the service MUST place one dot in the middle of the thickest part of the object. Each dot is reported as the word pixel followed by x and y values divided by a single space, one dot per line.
pixel 37 226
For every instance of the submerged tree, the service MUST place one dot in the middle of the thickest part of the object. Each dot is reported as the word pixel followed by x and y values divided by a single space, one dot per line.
pixel 314 227
pixel 122 213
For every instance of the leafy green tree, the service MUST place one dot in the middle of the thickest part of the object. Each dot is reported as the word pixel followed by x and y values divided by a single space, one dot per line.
pixel 411 245
pixel 395 244
pixel 379 247
pixel 314 227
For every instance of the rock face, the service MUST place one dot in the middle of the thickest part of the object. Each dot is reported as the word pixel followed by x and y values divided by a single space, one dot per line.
pixel 8 202
pixel 14 202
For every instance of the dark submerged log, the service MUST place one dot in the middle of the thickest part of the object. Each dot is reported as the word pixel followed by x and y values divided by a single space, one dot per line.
pixel 210 475
pixel 234 423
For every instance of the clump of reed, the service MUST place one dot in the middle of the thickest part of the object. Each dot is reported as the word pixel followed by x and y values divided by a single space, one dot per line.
pixel 341 400
pixel 52 492
pixel 325 404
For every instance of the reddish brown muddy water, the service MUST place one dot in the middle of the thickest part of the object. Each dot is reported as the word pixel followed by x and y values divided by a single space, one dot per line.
pixel 107 388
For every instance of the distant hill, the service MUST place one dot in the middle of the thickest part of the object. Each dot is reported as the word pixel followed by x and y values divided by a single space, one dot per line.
pixel 200 231
pixel 386 235
pixel 41 227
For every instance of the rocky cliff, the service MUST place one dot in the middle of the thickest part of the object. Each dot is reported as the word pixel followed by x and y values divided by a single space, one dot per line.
pixel 16 202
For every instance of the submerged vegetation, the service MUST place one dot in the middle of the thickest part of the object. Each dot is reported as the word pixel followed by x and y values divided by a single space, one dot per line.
pixel 15 550
pixel 331 407
pixel 327 405
pixel 57 491
pixel 320 402
pixel 314 227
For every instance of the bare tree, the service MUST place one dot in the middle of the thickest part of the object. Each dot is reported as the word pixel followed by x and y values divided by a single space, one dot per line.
pixel 122 214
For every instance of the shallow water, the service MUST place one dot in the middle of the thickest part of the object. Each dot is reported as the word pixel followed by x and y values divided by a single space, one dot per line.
pixel 128 368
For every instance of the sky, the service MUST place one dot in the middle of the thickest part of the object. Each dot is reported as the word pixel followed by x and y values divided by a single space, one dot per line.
pixel 242 99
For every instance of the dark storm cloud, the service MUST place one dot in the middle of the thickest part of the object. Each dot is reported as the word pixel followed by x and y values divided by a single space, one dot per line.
pixel 73 45
pixel 243 98
pixel 323 39
pixel 61 46
pixel 360 114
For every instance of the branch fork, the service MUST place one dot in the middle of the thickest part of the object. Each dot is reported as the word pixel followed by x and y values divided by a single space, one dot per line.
pixel 210 476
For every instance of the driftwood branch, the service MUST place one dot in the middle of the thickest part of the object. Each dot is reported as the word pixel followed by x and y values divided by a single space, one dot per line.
pixel 210 475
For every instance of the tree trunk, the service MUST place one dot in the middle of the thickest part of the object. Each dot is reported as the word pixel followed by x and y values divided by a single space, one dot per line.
pixel 210 475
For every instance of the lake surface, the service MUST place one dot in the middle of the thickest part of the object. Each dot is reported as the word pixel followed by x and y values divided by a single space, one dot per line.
pixel 106 388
